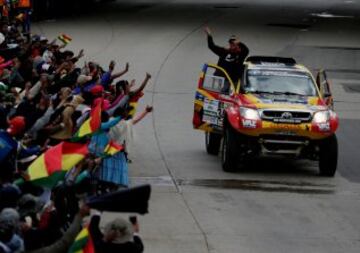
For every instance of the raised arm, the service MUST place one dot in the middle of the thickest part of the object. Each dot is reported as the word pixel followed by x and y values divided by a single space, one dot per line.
pixel 119 74
pixel 80 55
pixel 214 48
pixel 142 115
pixel 144 83
pixel 41 122
pixel 65 242
pixel 118 103
pixel 95 231
pixel 111 123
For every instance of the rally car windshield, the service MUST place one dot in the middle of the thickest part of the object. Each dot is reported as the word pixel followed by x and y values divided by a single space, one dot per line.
pixel 279 82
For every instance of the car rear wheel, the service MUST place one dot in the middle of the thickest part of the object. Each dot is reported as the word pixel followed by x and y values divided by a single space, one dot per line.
pixel 212 141
pixel 328 156
pixel 229 147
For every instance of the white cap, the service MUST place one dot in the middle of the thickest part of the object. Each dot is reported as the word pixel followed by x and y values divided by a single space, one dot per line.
pixel 43 38
pixel 45 66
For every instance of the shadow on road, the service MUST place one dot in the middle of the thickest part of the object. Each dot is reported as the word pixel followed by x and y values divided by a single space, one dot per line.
pixel 279 166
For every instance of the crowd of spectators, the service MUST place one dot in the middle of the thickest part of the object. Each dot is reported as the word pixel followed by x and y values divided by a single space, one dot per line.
pixel 46 95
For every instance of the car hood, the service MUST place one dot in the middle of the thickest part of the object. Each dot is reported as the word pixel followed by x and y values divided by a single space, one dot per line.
pixel 269 101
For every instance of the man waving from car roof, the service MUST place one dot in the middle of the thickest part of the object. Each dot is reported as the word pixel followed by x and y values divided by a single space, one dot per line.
pixel 230 58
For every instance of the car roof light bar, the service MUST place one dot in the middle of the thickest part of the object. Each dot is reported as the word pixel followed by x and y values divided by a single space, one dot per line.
pixel 271 60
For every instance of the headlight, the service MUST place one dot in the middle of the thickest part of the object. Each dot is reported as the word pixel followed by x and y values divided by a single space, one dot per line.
pixel 321 117
pixel 248 113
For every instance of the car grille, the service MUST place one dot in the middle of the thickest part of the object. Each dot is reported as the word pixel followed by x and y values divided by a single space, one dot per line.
pixel 282 144
pixel 280 137
pixel 282 116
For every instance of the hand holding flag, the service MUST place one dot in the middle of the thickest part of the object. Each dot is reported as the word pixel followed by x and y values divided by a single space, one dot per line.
pixel 55 162
pixel 92 124
pixel 64 38
pixel 112 148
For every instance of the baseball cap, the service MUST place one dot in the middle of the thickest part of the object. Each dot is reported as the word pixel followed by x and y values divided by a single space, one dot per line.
pixel 16 125
pixel 233 38
pixel 43 38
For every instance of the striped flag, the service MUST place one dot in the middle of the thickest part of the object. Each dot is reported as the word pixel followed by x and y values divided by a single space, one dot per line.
pixel 112 148
pixel 57 159
pixel 83 243
pixel 92 124
pixel 65 38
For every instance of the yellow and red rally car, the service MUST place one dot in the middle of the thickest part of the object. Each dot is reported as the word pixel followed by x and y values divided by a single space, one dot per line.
pixel 277 108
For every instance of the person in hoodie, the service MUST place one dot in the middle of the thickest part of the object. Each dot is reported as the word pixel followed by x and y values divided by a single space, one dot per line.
pixel 231 58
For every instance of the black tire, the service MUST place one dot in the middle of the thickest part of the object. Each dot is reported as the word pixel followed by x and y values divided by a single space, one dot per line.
pixel 212 142
pixel 228 153
pixel 328 156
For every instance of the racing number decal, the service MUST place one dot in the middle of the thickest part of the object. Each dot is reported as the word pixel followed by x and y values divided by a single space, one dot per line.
pixel 214 112
pixel 210 114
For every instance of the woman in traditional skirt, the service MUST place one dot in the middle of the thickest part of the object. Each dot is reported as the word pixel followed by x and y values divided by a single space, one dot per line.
pixel 111 168
pixel 123 134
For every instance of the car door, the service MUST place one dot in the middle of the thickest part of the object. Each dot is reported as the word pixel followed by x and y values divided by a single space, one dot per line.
pixel 325 89
pixel 214 93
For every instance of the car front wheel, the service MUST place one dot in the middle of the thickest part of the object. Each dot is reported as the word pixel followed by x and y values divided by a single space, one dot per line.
pixel 328 156
pixel 229 147
pixel 212 141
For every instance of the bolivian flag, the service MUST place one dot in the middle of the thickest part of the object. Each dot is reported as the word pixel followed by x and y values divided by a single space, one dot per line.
pixel 92 124
pixel 65 38
pixel 83 243
pixel 112 148
pixel 55 160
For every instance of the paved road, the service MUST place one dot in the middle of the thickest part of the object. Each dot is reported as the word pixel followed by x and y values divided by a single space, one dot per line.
pixel 273 205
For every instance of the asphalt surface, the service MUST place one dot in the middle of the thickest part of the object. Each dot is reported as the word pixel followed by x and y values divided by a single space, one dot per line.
pixel 272 205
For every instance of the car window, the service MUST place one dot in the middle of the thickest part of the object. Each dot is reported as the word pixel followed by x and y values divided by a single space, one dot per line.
pixel 290 82
pixel 215 80
pixel 214 83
